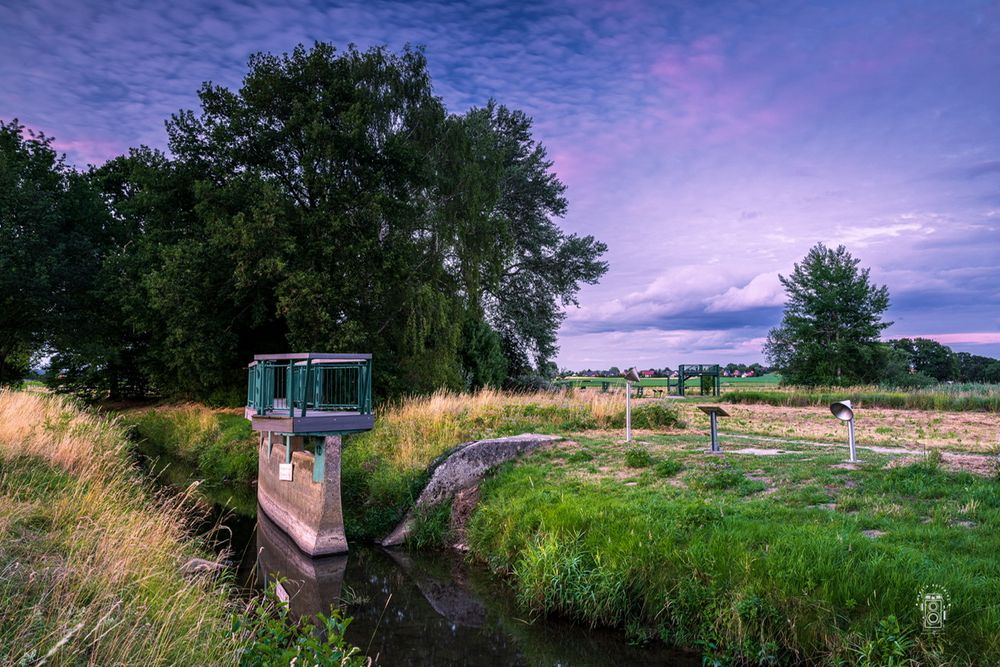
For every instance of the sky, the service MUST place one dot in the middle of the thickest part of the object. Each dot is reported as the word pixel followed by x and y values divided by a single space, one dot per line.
pixel 709 144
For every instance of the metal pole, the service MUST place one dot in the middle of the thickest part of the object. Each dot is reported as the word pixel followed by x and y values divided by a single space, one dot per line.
pixel 715 433
pixel 850 435
pixel 628 411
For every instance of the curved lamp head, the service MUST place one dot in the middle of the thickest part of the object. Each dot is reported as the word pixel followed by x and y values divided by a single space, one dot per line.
pixel 842 410
pixel 631 375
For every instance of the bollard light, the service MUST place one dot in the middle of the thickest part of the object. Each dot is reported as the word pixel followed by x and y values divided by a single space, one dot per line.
pixel 844 411
pixel 631 375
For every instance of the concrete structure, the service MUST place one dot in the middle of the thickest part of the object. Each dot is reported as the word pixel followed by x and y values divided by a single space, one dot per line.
pixel 307 509
pixel 462 468
pixel 301 404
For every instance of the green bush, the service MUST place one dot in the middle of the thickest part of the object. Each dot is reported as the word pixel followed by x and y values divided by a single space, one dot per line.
pixel 637 456
pixel 654 415
pixel 669 468
pixel 274 637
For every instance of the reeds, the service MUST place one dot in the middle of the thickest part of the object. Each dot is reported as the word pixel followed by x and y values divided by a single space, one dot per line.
pixel 91 560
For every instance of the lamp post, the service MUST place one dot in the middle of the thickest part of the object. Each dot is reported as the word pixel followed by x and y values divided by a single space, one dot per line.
pixel 631 375
pixel 843 411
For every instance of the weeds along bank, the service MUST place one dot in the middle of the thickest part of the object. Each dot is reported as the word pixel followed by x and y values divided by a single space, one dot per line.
pixel 91 561
pixel 788 559
pixel 384 470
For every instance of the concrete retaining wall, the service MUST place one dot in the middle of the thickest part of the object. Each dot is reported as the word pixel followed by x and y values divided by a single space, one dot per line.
pixel 462 468
pixel 309 512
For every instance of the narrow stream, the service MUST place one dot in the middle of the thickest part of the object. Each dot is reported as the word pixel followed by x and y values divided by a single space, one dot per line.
pixel 411 608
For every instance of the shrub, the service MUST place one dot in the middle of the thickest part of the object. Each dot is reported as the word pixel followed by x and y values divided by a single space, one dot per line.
pixel 669 468
pixel 274 637
pixel 636 456
pixel 659 414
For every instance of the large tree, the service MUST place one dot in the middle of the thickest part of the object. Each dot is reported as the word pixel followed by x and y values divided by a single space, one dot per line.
pixel 331 203
pixel 52 225
pixel 829 334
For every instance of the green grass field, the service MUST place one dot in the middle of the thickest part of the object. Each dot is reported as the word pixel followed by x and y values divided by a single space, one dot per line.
pixel 769 380
pixel 783 559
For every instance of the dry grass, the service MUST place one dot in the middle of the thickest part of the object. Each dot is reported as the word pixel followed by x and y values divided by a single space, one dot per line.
pixel 90 572
pixel 421 428
pixel 913 429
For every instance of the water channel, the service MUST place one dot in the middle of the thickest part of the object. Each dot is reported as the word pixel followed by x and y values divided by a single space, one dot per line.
pixel 409 608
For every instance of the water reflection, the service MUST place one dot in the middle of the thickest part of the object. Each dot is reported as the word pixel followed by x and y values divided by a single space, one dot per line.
pixel 420 609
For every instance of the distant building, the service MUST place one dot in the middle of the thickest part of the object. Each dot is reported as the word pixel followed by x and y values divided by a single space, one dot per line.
pixel 647 373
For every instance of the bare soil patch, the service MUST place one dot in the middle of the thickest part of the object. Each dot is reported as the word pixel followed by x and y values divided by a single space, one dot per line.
pixel 913 429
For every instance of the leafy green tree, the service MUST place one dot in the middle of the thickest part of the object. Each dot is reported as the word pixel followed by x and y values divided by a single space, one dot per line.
pixel 52 226
pixel 482 355
pixel 829 334
pixel 928 357
pixel 330 203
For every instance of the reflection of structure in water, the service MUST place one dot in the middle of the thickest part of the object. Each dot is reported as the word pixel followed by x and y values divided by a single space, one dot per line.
pixel 447 596
pixel 312 584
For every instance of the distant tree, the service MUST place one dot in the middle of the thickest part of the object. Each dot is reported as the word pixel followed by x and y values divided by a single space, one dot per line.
pixel 974 367
pixel 991 373
pixel 928 357
pixel 829 334
pixel 614 371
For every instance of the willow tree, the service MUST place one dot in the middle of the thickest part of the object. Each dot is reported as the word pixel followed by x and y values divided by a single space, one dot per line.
pixel 829 334
pixel 331 203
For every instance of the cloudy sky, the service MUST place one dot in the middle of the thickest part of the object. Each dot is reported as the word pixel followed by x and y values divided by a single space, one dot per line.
pixel 710 144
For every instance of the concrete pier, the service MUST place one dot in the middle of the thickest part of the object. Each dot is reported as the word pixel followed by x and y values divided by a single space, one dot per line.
pixel 307 507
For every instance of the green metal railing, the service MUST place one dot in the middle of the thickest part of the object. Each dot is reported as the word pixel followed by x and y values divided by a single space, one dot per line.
pixel 294 387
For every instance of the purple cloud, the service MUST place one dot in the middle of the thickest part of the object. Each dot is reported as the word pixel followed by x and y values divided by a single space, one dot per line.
pixel 709 145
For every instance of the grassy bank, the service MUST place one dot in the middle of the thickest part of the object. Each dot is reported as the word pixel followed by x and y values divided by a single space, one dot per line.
pixel 760 559
pixel 218 442
pixel 974 397
pixel 91 560
pixel 384 470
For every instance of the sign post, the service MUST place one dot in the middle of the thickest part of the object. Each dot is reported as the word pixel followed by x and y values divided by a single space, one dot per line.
pixel 713 412
pixel 631 375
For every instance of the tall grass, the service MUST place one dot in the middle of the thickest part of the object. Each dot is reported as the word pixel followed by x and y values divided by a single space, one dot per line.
pixel 384 470
pixel 218 442
pixel 752 579
pixel 89 570
pixel 958 398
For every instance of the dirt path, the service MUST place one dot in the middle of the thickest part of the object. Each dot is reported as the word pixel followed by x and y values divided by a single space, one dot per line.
pixel 909 429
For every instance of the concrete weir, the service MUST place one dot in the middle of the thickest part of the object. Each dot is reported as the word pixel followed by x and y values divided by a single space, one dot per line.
pixel 307 507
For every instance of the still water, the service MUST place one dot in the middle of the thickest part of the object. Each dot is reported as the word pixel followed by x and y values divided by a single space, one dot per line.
pixel 436 609
pixel 408 608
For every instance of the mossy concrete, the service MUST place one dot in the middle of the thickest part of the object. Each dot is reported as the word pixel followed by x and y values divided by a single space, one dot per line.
pixel 462 468
pixel 308 512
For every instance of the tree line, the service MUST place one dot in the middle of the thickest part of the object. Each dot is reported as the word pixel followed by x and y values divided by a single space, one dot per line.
pixel 331 203
pixel 830 333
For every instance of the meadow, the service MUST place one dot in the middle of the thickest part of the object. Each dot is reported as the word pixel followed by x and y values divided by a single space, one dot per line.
pixel 947 397
pixel 787 558
pixel 92 558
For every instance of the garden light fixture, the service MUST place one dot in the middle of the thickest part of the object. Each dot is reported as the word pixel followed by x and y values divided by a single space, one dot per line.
pixel 843 411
